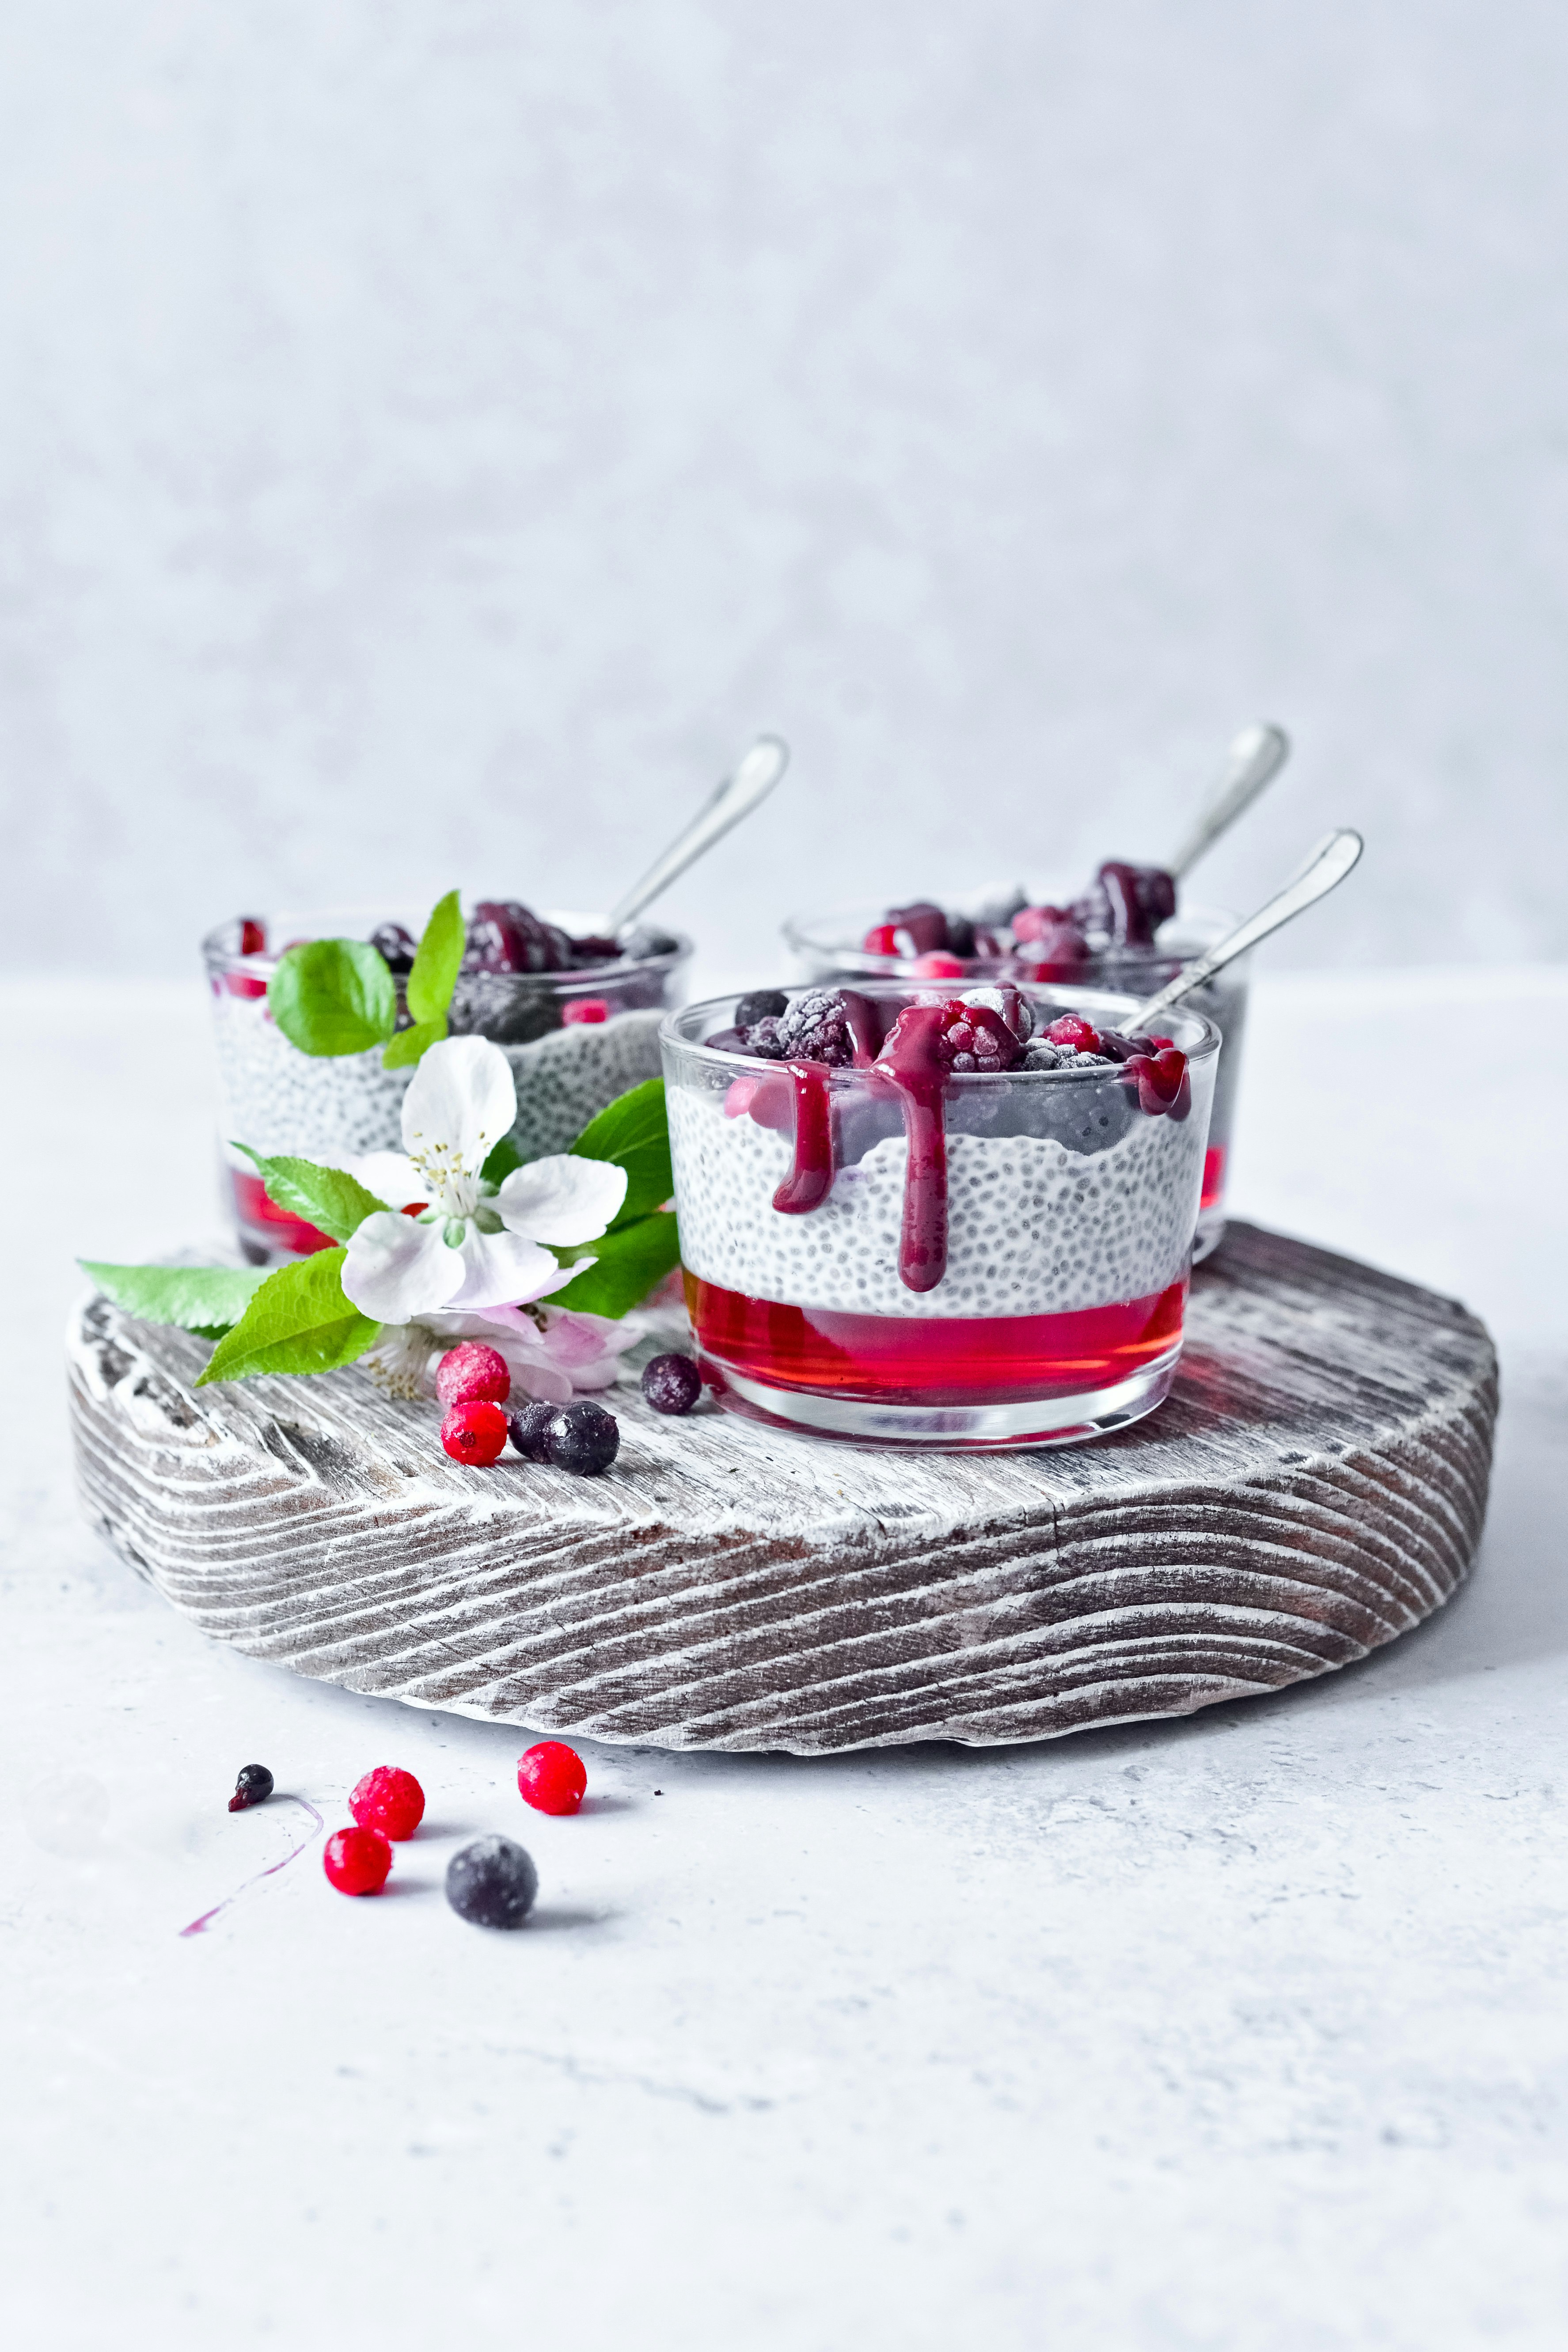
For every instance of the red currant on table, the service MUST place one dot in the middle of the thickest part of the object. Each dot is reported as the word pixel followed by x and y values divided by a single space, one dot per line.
pixel 473 1374
pixel 356 1860
pixel 475 1432
pixel 552 1778
pixel 388 1799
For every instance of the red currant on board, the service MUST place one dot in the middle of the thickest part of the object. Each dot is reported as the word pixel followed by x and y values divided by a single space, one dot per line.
pixel 473 1374
pixel 475 1432
pixel 388 1799
pixel 356 1860
pixel 552 1778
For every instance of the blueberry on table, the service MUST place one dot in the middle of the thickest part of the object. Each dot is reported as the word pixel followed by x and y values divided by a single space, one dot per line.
pixel 253 1787
pixel 492 1882
pixel 582 1437
pixel 671 1383
pixel 531 1430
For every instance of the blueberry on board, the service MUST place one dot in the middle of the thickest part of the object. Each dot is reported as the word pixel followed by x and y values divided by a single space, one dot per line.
pixel 530 1428
pixel 671 1383
pixel 582 1437
pixel 492 1882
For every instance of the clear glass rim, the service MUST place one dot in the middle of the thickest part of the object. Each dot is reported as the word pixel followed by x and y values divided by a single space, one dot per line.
pixel 837 932
pixel 1068 998
pixel 334 921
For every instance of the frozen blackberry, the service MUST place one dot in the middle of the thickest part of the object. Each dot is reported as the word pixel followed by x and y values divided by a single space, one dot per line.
pixel 1125 904
pixel 1043 1056
pixel 492 1883
pixel 582 1437
pixel 759 1005
pixel 528 1430
pixel 816 1028
pixel 506 935
pixel 395 946
pixel 671 1383
pixel 763 1038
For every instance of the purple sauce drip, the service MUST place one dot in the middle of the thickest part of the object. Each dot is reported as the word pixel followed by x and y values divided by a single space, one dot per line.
pixel 810 1181
pixel 910 1061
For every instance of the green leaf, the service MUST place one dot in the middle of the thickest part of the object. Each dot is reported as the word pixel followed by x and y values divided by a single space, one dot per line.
pixel 331 1199
pixel 299 1321
pixel 409 1044
pixel 333 996
pixel 203 1298
pixel 634 1133
pixel 437 963
pixel 501 1162
pixel 628 1262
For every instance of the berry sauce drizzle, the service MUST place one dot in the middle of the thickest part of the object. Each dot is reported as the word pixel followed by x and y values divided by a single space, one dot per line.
pixel 199 1927
pixel 911 1060
pixel 810 1181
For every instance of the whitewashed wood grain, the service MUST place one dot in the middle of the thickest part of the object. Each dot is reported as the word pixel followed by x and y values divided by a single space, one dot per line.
pixel 1314 1486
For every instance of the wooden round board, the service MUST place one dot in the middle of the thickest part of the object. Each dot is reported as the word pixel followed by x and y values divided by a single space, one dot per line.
pixel 1314 1486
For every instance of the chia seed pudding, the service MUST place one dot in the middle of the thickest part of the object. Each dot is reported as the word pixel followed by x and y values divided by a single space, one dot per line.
pixel 962 1221
pixel 1123 933
pixel 578 1030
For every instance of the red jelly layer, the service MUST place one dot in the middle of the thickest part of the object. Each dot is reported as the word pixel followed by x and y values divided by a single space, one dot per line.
pixel 946 1359
pixel 1213 1176
pixel 261 1215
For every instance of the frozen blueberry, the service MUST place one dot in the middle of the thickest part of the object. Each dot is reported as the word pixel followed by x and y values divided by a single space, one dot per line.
pixel 253 1787
pixel 582 1437
pixel 760 1005
pixel 529 1429
pixel 492 1882
pixel 671 1383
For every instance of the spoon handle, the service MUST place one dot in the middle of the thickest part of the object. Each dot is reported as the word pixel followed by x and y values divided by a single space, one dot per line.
pixel 1324 870
pixel 1254 756
pixel 736 797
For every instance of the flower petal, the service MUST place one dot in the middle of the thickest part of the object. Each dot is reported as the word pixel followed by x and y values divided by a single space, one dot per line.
pixel 563 1198
pixel 395 1268
pixel 389 1175
pixel 504 1269
pixel 459 1104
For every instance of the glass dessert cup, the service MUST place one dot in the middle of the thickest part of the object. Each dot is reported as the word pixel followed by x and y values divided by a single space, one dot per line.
pixel 575 1040
pixel 995 1261
pixel 828 948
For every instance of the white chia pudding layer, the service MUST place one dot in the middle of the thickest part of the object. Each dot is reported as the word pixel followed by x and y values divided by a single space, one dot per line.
pixel 1033 1228
pixel 276 1099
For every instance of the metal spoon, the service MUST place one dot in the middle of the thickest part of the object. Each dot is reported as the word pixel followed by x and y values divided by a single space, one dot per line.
pixel 736 797
pixel 1254 756
pixel 1324 870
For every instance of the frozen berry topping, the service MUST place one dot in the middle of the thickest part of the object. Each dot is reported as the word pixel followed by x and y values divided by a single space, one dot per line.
pixel 473 1374
pixel 474 1433
pixel 552 1778
pixel 253 1787
pixel 492 1882
pixel 816 1028
pixel 529 1429
pixel 396 948
pixel 671 1383
pixel 976 1037
pixel 356 1860
pixel 388 1799
pixel 762 1004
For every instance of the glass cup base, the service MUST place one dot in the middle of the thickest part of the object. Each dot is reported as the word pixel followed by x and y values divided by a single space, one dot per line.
pixel 952 1428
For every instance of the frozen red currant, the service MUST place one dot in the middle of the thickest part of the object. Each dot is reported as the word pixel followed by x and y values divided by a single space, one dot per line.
pixel 552 1778
pixel 388 1799
pixel 475 1432
pixel 473 1374
pixel 356 1860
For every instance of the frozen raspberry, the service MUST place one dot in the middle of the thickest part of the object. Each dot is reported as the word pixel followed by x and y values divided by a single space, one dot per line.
pixel 530 1428
pixel 1069 1030
pixel 582 1437
pixel 881 939
pixel 552 1778
pixel 814 1028
pixel 975 1037
pixel 925 923
pixel 584 1011
pixel 253 1787
pixel 357 1861
pixel 492 1882
pixel 473 1374
pixel 474 1433
pixel 388 1799
pixel 762 1004
pixel 671 1383
pixel 1005 999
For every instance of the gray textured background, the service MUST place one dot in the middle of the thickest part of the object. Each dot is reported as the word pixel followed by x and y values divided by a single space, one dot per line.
pixel 434 437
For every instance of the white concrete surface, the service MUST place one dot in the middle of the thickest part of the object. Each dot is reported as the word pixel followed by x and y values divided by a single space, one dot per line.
pixel 432 439
pixel 1248 2032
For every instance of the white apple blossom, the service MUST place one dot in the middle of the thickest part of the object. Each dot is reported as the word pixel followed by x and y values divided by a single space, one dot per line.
pixel 469 1247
